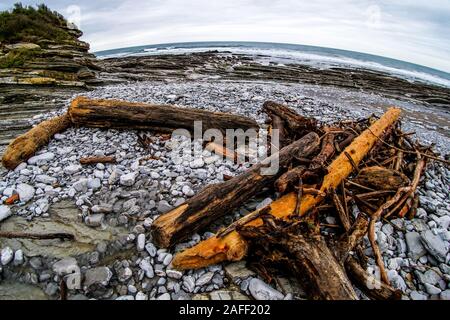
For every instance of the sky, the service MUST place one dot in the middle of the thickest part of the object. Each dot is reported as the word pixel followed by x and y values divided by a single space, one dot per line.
pixel 411 30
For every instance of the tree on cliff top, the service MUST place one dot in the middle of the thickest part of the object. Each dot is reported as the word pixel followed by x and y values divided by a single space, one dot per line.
pixel 27 23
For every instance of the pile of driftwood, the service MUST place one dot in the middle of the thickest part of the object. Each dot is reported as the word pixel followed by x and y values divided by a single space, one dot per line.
pixel 359 171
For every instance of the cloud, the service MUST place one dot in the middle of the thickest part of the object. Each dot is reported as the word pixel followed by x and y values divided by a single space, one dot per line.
pixel 414 31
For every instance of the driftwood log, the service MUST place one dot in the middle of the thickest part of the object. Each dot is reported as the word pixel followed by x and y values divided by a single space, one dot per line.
pixel 95 160
pixel 304 253
pixel 141 116
pixel 36 236
pixel 26 145
pixel 220 199
pixel 233 247
pixel 291 125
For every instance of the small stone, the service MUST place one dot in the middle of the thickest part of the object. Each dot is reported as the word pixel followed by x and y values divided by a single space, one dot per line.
pixel 167 259
pixel 421 213
pixel 387 229
pixel 434 245
pixel 444 222
pixel 5 212
pixel 179 202
pixel 147 267
pixel 97 276
pixel 80 185
pixel 431 277
pixel 72 169
pixel 238 270
pixel 36 263
pixel 94 257
pixel 128 179
pixel 141 296
pixel 104 208
pixel 25 191
pixel 151 249
pixel 99 174
pixel 94 220
pixel 154 175
pixel 204 279
pixel 66 266
pixel 418 296
pixel 264 203
pixel 445 295
pixel 45 179
pixel 244 285
pixel 189 284
pixel 187 191
pixel 165 296
pixel 18 258
pixel 432 289
pixel 125 274
pixel 415 247
pixel 261 291
pixel 140 242
pixel 6 256
pixel 164 206
pixel 94 183
pixel 51 289
pixel 132 289
pixel 197 163
pixel 174 274
pixel 330 220
pixel 41 159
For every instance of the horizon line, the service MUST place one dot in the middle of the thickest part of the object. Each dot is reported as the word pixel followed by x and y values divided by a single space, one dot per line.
pixel 281 43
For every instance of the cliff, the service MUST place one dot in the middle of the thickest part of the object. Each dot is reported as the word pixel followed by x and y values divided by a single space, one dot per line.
pixel 39 47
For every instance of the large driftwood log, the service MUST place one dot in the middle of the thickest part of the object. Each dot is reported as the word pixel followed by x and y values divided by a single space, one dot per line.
pixel 161 118
pixel 233 247
pixel 26 145
pixel 220 199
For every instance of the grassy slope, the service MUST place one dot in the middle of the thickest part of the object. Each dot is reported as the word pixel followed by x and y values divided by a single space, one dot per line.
pixel 27 24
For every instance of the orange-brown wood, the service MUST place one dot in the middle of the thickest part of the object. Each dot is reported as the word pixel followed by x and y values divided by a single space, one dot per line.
pixel 233 247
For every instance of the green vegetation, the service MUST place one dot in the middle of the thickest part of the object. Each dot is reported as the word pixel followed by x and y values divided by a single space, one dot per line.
pixel 17 57
pixel 26 24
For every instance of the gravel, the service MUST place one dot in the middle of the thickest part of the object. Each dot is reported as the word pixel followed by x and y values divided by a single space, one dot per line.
pixel 131 194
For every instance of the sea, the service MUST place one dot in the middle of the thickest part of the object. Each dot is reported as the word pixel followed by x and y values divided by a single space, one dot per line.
pixel 282 53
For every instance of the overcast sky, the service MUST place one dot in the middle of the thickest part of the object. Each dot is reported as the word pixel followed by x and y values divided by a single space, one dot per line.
pixel 412 30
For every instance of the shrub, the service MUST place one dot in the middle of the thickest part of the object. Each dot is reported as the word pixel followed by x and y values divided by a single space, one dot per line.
pixel 26 23
pixel 18 57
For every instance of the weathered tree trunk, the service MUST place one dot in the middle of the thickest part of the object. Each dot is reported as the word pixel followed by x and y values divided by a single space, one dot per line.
pixel 220 199
pixel 26 145
pixel 278 124
pixel 304 254
pixel 161 118
pixel 292 124
pixel 233 247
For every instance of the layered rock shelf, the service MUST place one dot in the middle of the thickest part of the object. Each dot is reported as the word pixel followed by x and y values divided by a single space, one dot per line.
pixel 47 62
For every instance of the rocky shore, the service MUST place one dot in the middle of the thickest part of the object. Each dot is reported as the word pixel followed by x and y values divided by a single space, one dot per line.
pixel 109 208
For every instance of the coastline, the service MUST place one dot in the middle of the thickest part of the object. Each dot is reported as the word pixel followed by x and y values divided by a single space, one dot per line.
pixel 217 82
